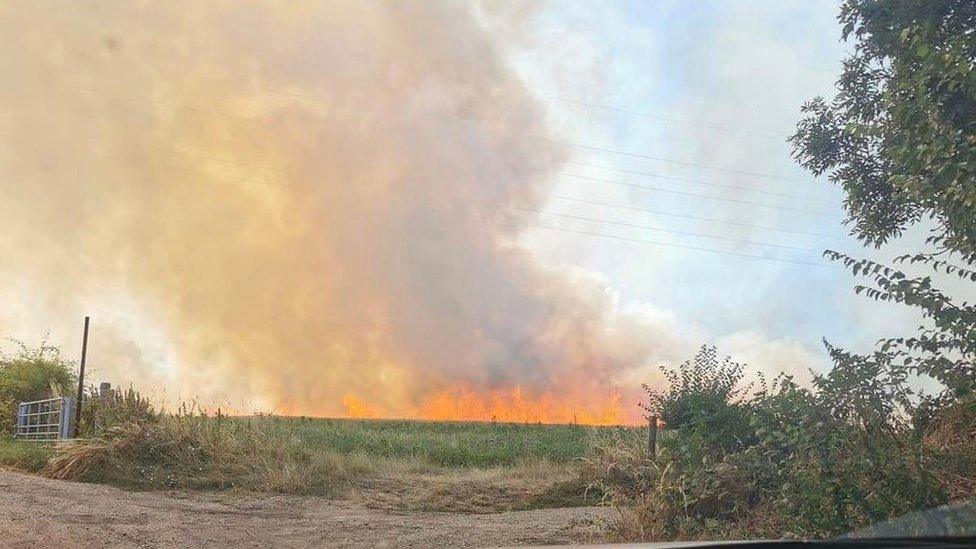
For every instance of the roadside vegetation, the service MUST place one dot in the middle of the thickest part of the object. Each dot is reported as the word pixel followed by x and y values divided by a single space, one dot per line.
pixel 300 455
pixel 443 466
pixel 862 444
pixel 31 374
pixel 28 374
pixel 779 460
pixel 736 460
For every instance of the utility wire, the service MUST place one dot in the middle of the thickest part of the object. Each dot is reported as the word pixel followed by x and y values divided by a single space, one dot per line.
pixel 574 144
pixel 673 245
pixel 697 181
pixel 187 168
pixel 712 197
pixel 611 222
pixel 666 119
pixel 678 162
pixel 658 229
pixel 695 217
pixel 192 154
pixel 573 199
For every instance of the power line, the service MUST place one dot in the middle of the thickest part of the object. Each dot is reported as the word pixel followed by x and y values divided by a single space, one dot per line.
pixel 599 203
pixel 678 162
pixel 696 181
pixel 184 167
pixel 695 217
pixel 650 228
pixel 578 145
pixel 686 193
pixel 673 245
pixel 676 121
pixel 688 233
pixel 191 154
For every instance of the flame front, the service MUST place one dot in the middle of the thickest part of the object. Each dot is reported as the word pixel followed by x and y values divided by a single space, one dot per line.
pixel 515 405
pixel 356 408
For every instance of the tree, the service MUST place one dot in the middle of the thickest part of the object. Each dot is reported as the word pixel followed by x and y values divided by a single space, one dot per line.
pixel 900 138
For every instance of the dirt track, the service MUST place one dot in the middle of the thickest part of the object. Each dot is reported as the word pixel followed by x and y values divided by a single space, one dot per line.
pixel 41 512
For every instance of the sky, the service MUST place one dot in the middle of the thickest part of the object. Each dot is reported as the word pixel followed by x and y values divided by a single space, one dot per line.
pixel 716 84
pixel 514 210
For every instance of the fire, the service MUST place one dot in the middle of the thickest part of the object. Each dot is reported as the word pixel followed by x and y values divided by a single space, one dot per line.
pixel 515 405
pixel 357 408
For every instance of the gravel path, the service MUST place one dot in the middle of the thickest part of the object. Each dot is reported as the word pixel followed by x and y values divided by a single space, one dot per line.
pixel 36 511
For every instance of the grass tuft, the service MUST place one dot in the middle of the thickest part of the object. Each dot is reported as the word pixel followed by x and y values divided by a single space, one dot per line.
pixel 23 455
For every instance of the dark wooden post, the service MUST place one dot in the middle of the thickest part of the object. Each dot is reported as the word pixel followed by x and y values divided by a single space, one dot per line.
pixel 652 437
pixel 81 379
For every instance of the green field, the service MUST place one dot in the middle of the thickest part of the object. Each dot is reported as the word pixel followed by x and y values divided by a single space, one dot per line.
pixel 448 444
pixel 427 465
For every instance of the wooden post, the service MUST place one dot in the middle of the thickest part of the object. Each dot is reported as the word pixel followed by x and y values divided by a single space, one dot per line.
pixel 104 392
pixel 81 379
pixel 652 438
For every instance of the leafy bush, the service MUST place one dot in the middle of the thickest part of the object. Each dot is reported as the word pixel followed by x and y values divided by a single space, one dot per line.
pixel 702 402
pixel 851 450
pixel 31 374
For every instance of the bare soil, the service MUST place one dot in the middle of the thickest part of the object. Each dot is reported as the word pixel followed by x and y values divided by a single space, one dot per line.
pixel 35 511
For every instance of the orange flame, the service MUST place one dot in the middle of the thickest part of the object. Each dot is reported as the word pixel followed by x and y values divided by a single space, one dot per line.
pixel 357 408
pixel 461 403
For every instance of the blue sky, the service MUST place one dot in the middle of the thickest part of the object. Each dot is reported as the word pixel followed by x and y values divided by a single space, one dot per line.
pixel 715 84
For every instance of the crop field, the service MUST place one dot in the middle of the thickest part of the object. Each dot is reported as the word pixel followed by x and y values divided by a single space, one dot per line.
pixel 446 444
pixel 426 465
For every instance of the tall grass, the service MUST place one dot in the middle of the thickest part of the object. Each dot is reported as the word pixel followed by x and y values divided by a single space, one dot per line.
pixel 23 455
pixel 188 449
pixel 199 451
pixel 447 444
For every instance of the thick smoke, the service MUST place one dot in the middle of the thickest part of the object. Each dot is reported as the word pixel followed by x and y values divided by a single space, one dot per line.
pixel 298 201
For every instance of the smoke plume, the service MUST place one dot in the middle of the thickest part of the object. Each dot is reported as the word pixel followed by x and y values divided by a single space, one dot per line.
pixel 298 205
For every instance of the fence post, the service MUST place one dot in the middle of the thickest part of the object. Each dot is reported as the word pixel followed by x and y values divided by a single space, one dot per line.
pixel 22 418
pixel 652 437
pixel 104 391
pixel 81 379
pixel 67 417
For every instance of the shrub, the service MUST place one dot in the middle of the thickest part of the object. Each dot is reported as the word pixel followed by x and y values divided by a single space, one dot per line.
pixel 853 449
pixel 31 374
pixel 702 403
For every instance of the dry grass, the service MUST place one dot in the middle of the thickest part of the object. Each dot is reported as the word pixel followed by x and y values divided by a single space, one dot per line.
pixel 531 484
pixel 952 437
pixel 397 469
pixel 199 452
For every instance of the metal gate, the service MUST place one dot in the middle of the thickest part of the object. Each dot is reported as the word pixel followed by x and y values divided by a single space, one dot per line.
pixel 45 420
